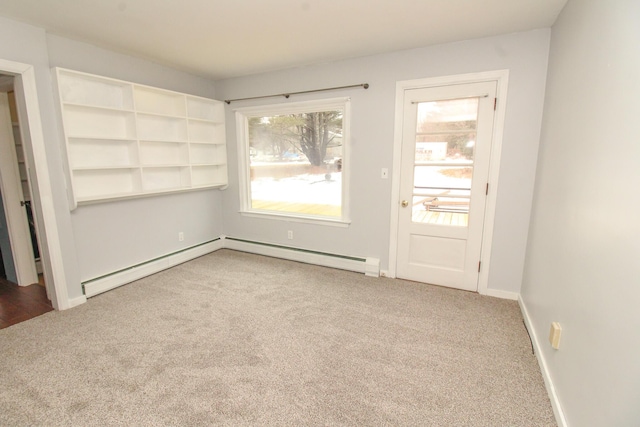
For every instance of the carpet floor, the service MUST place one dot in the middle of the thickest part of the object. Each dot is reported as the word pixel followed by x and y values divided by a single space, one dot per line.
pixel 235 339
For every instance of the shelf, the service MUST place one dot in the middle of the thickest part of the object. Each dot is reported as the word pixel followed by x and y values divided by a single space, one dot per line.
pixel 158 101
pixel 207 154
pixel 103 167
pixel 171 116
pixel 165 178
pixel 161 128
pixel 102 197
pixel 98 138
pixel 105 182
pixel 88 90
pixel 167 165
pixel 110 197
pixel 208 175
pixel 213 122
pixel 207 143
pixel 86 153
pixel 205 109
pixel 96 107
pixel 200 131
pixel 163 153
pixel 127 140
pixel 99 124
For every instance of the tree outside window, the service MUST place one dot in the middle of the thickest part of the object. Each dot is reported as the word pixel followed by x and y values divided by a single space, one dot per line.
pixel 295 161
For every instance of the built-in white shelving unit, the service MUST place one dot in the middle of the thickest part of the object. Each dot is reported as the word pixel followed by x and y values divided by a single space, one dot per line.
pixel 128 140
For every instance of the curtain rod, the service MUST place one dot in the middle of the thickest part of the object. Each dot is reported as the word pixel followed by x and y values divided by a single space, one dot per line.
pixel 287 95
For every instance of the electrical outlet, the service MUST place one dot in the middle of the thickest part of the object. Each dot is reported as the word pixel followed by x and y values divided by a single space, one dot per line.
pixel 180 236
pixel 290 235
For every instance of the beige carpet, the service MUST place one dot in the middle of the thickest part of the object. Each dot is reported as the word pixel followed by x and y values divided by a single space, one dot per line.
pixel 238 339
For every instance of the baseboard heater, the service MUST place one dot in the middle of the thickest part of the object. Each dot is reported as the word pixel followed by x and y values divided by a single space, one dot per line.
pixel 368 266
pixel 98 285
pixel 110 281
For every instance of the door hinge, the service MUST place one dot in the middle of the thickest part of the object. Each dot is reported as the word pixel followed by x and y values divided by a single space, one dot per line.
pixel 486 191
pixel 495 104
pixel 479 264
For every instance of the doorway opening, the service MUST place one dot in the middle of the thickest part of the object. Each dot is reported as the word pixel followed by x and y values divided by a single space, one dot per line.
pixel 15 174
pixel 23 293
pixel 42 189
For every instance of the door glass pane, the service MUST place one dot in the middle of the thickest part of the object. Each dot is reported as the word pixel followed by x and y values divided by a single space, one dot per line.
pixel 445 141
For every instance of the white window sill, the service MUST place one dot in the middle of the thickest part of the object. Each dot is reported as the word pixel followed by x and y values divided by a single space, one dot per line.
pixel 292 218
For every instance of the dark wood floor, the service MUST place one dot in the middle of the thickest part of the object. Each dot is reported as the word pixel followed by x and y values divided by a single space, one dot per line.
pixel 20 303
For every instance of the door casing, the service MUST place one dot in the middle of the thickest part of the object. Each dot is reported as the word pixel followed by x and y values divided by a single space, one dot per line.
pixel 40 181
pixel 499 76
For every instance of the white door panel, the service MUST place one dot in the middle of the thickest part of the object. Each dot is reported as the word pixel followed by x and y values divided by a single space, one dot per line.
pixel 446 146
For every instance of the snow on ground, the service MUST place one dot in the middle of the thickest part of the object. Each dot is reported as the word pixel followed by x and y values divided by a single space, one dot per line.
pixel 306 188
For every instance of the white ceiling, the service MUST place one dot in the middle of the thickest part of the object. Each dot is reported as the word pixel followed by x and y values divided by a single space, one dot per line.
pixel 226 38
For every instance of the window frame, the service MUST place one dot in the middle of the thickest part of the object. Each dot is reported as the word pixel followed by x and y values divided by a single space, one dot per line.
pixel 244 166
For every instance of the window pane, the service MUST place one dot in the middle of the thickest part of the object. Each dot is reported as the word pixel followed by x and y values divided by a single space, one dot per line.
pixel 296 163
pixel 443 177
pixel 446 130
pixel 445 140
pixel 439 210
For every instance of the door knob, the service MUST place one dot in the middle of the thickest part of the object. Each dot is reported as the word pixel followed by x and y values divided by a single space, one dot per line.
pixel 404 203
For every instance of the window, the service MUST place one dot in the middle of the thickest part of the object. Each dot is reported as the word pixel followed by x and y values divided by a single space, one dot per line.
pixel 293 159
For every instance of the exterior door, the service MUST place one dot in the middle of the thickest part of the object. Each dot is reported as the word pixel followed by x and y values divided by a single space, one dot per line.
pixel 446 146
pixel 11 188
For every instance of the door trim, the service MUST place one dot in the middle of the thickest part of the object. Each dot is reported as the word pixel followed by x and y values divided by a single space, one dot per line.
pixel 502 78
pixel 33 140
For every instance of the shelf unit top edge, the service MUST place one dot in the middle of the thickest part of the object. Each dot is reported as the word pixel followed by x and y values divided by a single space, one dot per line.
pixel 133 85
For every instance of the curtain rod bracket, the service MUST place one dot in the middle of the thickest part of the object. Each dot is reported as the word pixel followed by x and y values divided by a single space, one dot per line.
pixel 287 95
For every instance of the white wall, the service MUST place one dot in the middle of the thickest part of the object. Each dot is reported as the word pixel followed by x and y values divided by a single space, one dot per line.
pixel 118 234
pixel 524 54
pixel 582 266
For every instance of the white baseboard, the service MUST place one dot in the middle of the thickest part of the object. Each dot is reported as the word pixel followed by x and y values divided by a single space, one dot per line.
pixel 73 302
pixel 501 294
pixel 368 266
pixel 111 281
pixel 551 390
